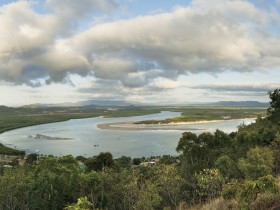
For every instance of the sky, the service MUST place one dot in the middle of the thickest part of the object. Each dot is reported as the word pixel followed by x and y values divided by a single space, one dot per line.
pixel 142 51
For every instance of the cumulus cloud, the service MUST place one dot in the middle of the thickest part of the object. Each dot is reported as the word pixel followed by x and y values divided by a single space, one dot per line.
pixel 207 36
pixel 70 12
pixel 73 9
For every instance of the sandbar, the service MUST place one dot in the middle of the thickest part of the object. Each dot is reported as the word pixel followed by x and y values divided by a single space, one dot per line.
pixel 131 126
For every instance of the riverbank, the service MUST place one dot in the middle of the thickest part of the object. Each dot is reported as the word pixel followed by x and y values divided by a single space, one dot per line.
pixel 132 126
pixel 14 118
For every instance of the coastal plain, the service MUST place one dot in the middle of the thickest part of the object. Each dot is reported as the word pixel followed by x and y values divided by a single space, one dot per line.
pixel 12 118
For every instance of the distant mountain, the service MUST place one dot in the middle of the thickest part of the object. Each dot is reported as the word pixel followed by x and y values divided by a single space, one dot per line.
pixel 5 109
pixel 104 103
pixel 240 103
pixel 93 102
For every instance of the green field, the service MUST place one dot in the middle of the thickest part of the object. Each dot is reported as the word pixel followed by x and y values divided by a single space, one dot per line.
pixel 12 118
pixel 198 113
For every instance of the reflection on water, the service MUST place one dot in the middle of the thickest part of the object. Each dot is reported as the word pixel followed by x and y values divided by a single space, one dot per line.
pixel 84 136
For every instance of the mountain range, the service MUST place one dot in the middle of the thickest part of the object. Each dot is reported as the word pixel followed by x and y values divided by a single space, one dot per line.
pixel 106 103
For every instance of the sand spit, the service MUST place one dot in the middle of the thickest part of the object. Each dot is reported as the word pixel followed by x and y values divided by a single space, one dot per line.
pixel 129 126
pixel 138 127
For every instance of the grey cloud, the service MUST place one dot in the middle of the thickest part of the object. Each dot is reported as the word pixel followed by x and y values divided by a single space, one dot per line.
pixel 188 40
pixel 157 89
pixel 261 87
pixel 204 37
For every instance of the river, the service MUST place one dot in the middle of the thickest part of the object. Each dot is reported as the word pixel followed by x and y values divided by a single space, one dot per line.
pixel 83 137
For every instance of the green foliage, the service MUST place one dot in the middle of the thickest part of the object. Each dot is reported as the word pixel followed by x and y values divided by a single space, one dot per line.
pixel 247 192
pixel 169 182
pixel 124 162
pixel 274 110
pixel 31 158
pixel 148 197
pixel 53 181
pixel 15 162
pixel 10 151
pixel 15 188
pixel 227 167
pixel 82 204
pixel 81 158
pixel 202 151
pixel 258 163
pixel 275 147
pixel 92 185
pixel 230 190
pixel 136 161
pixel 209 184
pixel 167 160
pixel 100 162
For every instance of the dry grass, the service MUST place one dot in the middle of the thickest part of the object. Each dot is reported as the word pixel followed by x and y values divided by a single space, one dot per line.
pixel 217 204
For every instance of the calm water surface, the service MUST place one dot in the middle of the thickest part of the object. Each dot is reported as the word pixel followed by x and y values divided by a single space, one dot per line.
pixel 85 136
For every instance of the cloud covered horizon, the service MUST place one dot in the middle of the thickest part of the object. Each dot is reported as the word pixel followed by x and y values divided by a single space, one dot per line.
pixel 143 54
pixel 216 37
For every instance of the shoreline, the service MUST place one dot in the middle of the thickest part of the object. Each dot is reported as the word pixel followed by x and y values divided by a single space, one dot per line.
pixel 130 126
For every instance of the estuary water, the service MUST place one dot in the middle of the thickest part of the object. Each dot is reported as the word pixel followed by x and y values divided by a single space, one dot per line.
pixel 83 137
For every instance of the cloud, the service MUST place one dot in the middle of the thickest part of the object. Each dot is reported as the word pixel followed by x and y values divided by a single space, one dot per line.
pixel 200 38
pixel 207 36
pixel 70 13
pixel 260 87
pixel 76 9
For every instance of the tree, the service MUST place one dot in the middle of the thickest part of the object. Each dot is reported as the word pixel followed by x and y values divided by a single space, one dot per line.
pixel 81 158
pixel 247 191
pixel 258 163
pixel 167 160
pixel 275 147
pixel 136 161
pixel 100 162
pixel 124 162
pixel 274 110
pixel 169 182
pixel 31 158
pixel 91 185
pixel 148 197
pixel 198 151
pixel 186 142
pixel 209 184
pixel 15 189
pixel 54 183
pixel 227 167
pixel 104 159
pixel 82 204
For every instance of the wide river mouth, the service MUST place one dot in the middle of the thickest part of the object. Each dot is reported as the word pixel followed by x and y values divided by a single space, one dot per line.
pixel 86 137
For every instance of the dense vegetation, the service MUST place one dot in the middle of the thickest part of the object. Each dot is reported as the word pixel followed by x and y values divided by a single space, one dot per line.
pixel 216 170
pixel 10 151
